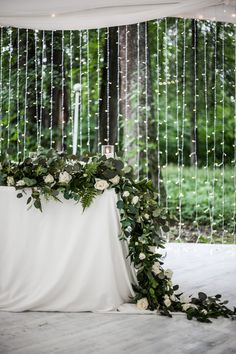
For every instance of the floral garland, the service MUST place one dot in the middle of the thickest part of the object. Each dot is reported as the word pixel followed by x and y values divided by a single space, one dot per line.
pixel 51 174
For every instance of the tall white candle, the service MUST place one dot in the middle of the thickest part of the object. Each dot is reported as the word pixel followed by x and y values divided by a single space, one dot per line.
pixel 77 89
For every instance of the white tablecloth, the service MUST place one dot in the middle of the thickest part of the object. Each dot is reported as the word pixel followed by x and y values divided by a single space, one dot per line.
pixel 62 259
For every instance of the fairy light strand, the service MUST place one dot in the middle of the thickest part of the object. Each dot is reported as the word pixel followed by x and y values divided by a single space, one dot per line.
pixel 182 131
pixel 88 93
pixel 214 133
pixel 36 84
pixel 51 90
pixel 126 93
pixel 18 97
pixel 234 146
pixel 166 112
pixel 138 100
pixel 42 88
pixel 158 109
pixel 98 91
pixel 146 100
pixel 206 124
pixel 108 87
pixel 1 85
pixel 177 121
pixel 118 87
pixel 223 136
pixel 9 87
pixel 63 136
pixel 80 81
pixel 71 87
pixel 26 92
pixel 195 127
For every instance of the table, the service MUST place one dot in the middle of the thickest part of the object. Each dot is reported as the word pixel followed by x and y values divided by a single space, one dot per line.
pixel 62 259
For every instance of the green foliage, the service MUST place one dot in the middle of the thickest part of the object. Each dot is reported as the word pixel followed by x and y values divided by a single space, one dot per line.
pixel 199 206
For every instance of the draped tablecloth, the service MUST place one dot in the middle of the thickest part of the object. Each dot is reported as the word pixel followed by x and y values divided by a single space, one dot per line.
pixel 62 259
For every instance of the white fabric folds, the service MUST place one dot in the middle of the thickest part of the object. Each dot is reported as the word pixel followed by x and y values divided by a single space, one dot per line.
pixel 62 259
pixel 83 14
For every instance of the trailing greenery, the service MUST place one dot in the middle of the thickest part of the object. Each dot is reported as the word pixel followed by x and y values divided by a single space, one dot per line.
pixel 52 175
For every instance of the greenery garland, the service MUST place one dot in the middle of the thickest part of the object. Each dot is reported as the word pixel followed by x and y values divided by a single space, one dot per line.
pixel 52 174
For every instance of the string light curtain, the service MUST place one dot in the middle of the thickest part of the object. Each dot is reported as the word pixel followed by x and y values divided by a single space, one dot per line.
pixel 38 70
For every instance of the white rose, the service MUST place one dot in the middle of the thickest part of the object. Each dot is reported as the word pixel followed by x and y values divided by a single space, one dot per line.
pixel 82 163
pixel 20 183
pixel 48 179
pixel 142 304
pixel 184 299
pixel 101 184
pixel 185 307
pixel 152 249
pixel 135 199
pixel 156 268
pixel 146 216
pixel 64 177
pixel 125 194
pixel 168 273
pixel 141 256
pixel 204 312
pixel 115 180
pixel 10 181
pixel 167 301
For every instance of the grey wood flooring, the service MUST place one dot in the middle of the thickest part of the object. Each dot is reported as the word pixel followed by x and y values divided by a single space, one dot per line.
pixel 196 267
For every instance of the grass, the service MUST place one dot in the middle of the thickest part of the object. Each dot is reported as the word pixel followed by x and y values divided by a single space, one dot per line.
pixel 208 203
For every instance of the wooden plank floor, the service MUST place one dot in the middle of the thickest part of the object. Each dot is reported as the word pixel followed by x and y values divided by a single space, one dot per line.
pixel 90 333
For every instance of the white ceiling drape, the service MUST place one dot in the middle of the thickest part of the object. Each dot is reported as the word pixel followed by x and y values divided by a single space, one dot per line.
pixel 88 14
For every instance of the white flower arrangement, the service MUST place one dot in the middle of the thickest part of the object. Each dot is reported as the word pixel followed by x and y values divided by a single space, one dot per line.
pixel 141 256
pixel 10 181
pixel 64 177
pixel 20 183
pixel 135 200
pixel 185 307
pixel 167 301
pixel 142 304
pixel 168 273
pixel 156 268
pixel 101 184
pixel 48 179
pixel 184 299
pixel 115 180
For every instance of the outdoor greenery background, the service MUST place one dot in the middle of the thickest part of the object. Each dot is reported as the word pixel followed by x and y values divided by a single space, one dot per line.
pixel 196 215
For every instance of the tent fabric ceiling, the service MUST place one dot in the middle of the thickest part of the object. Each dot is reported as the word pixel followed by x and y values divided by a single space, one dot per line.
pixel 85 14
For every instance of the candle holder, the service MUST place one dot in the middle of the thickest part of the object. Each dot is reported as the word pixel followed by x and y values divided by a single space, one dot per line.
pixel 108 151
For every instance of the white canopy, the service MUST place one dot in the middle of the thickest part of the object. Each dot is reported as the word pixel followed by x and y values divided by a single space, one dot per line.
pixel 87 14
